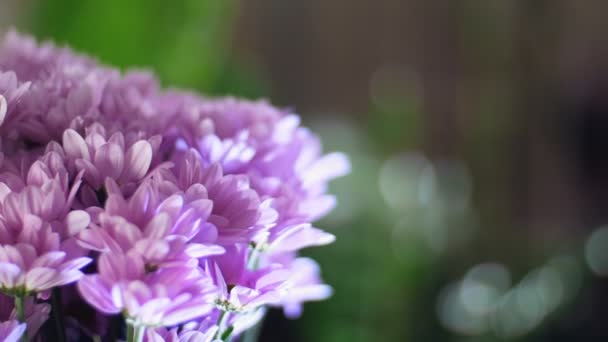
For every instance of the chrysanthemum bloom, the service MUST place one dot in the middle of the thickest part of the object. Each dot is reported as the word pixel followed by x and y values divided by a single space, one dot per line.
pixel 238 213
pixel 45 191
pixel 126 160
pixel 37 249
pixel 283 162
pixel 34 62
pixel 165 297
pixel 132 102
pixel 282 157
pixel 63 89
pixel 162 224
pixel 242 289
pixel 24 271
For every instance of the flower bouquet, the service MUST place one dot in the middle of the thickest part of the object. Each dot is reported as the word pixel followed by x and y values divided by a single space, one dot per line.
pixel 129 212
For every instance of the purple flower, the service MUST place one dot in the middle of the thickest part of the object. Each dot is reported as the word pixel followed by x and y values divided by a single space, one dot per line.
pixel 159 222
pixel 238 213
pixel 242 289
pixel 23 270
pixel 126 160
pixel 45 193
pixel 32 62
pixel 166 297
pixel 62 89
pixel 280 156
pixel 130 101
pixel 37 249
pixel 282 161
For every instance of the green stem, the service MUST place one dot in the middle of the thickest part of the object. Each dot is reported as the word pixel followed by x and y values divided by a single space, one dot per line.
pixel 253 261
pixel 139 333
pixel 227 334
pixel 135 332
pixel 221 321
pixel 58 314
pixel 130 332
pixel 20 307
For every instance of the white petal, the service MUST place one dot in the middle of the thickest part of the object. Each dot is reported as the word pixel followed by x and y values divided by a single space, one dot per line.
pixel 137 160
pixel 3 109
pixel 76 221
pixel 74 145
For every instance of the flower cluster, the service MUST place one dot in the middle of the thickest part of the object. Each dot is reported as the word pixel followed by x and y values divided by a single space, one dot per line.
pixel 184 215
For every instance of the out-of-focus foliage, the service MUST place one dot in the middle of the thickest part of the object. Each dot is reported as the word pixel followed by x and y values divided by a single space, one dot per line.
pixel 185 42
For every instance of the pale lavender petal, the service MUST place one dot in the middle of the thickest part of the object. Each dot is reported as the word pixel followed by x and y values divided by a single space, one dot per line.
pixel 3 107
pixel 97 294
pixel 158 227
pixel 42 278
pixel 301 236
pixel 9 275
pixel 187 312
pixel 199 250
pixel 317 207
pixel 75 264
pixel 152 249
pixel 74 145
pixel 109 159
pixel 137 160
pixel 50 259
pixel 330 166
pixel 11 331
pixel 80 100
pixel 76 221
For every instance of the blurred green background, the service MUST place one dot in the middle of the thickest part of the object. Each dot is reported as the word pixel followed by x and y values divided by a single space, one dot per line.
pixel 477 132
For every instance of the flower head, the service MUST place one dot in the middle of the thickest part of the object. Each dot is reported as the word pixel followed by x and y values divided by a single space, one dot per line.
pixel 238 213
pixel 159 222
pixel 37 226
pixel 126 160
pixel 165 297
pixel 243 289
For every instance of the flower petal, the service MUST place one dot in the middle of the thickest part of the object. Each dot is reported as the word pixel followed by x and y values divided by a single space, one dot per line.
pixel 9 275
pixel 76 221
pixel 94 291
pixel 137 160
pixel 109 160
pixel 74 145
pixel 3 109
